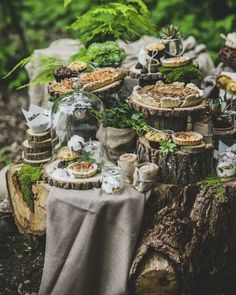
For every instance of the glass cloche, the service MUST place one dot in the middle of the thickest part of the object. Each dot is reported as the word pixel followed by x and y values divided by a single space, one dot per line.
pixel 73 121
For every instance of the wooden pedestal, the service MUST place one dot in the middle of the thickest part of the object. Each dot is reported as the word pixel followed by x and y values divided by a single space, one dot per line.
pixel 187 165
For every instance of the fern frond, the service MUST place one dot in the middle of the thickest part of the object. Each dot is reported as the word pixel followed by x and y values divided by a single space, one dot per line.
pixel 20 64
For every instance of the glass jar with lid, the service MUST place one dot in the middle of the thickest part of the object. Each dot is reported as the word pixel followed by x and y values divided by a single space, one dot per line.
pixel 112 180
pixel 73 121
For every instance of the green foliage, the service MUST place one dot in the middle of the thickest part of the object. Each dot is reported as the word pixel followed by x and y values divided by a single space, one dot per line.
pixel 123 117
pixel 3 156
pixel 35 24
pixel 106 53
pixel 204 19
pixel 29 25
pixel 46 64
pixel 186 74
pixel 170 32
pixel 126 20
pixel 167 147
pixel 214 182
pixel 84 157
pixel 28 176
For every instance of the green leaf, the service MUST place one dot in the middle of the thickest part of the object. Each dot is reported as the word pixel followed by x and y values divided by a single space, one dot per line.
pixel 20 64
pixel 67 2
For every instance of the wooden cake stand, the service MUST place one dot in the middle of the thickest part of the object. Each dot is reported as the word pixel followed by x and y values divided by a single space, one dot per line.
pixel 102 92
pixel 106 91
pixel 188 164
pixel 168 118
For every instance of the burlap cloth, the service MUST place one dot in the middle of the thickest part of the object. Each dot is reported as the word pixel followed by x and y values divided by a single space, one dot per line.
pixel 91 237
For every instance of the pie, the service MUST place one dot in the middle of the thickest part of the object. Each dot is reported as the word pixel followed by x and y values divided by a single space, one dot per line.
pixel 175 62
pixel 83 169
pixel 101 77
pixel 77 66
pixel 187 138
pixel 67 154
pixel 174 95
pixel 156 136
pixel 59 88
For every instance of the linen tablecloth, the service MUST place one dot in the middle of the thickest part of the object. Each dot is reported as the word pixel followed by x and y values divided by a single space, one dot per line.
pixel 91 237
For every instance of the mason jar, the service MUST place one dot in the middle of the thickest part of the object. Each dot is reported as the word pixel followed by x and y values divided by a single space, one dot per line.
pixel 112 180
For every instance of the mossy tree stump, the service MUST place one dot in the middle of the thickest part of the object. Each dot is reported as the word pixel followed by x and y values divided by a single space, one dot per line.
pixel 27 221
pixel 188 242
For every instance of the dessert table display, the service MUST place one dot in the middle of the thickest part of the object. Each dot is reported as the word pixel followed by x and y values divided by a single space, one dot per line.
pixel 104 160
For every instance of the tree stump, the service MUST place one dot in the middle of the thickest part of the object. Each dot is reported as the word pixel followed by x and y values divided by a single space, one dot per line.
pixel 188 242
pixel 28 222
pixel 187 165
pixel 175 119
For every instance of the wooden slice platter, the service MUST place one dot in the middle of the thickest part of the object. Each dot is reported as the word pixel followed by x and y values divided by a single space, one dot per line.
pixel 109 89
pixel 166 112
pixel 101 92
pixel 72 183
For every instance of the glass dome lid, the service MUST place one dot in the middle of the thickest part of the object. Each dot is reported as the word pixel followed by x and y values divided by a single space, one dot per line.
pixel 72 117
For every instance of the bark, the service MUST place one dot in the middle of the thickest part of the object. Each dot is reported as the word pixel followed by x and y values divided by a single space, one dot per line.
pixel 188 242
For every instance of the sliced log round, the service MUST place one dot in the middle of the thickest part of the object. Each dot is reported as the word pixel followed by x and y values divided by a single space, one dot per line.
pixel 41 144
pixel 29 149
pixel 37 156
pixel 36 137
pixel 76 184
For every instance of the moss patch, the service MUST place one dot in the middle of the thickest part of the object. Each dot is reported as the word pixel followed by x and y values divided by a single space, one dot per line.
pixel 186 74
pixel 28 176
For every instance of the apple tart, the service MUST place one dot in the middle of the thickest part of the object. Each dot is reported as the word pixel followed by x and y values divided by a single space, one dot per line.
pixel 101 78
pixel 83 169
pixel 189 138
pixel 174 95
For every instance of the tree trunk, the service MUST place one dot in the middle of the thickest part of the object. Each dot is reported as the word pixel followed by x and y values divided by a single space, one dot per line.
pixel 27 221
pixel 188 242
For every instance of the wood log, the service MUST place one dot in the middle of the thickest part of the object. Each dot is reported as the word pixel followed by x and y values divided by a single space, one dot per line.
pixel 41 144
pixel 37 156
pixel 32 150
pixel 181 167
pixel 28 222
pixel 188 242
pixel 76 183
pixel 37 137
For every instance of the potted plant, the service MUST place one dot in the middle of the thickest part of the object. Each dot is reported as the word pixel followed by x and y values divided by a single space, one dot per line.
pixel 173 41
pixel 106 54
pixel 119 128
pixel 221 116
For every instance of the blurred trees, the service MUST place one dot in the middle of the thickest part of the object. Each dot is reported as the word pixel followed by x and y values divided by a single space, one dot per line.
pixel 26 25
